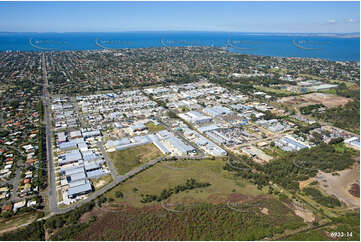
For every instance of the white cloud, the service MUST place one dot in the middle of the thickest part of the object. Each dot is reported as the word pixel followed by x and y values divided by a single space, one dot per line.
pixel 331 21
pixel 352 20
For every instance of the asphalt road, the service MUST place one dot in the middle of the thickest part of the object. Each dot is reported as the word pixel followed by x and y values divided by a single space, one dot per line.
pixel 53 200
pixel 16 181
pixel 110 164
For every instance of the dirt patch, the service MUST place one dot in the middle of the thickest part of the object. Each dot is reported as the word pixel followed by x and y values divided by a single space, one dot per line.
pixel 355 190
pixel 339 185
pixel 264 211
pixel 187 200
pixel 303 184
pixel 236 197
pixel 329 100
pixel 216 198
pixel 307 216
pixel 99 183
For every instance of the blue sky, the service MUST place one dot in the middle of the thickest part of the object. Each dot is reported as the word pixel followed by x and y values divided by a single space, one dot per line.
pixel 321 17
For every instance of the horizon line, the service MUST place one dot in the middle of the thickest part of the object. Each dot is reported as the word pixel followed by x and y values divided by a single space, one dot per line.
pixel 229 31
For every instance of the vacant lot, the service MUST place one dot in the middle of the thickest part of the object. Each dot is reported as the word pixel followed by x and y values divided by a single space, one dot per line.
pixel 274 90
pixel 340 185
pixel 326 99
pixel 167 175
pixel 101 181
pixel 126 160
pixel 201 222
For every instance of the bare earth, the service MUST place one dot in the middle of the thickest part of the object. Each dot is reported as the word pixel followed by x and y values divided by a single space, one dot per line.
pixel 329 100
pixel 307 215
pixel 340 185
pixel 264 211
pixel 305 183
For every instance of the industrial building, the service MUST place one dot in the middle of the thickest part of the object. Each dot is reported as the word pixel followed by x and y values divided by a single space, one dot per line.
pixel 217 111
pixel 195 117
pixel 289 143
pixel 354 142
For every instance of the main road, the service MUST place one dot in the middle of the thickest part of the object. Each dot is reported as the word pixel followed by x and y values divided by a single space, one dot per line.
pixel 52 194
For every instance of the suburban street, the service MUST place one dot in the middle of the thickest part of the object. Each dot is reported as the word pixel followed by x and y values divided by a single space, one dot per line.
pixel 16 181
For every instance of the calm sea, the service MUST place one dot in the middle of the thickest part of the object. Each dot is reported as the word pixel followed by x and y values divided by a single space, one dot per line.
pixel 331 48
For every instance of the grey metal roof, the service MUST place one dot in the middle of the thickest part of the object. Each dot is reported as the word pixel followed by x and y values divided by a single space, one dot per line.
pixel 91 133
pixel 70 157
pixel 294 143
pixel 138 126
pixel 89 155
pixel 79 189
pixel 74 170
pixel 77 176
pixel 77 183
pixel 91 165
pixel 208 128
pixel 95 173
pixel 179 145
pixel 67 145
pixel 123 141
pixel 142 139
pixel 160 146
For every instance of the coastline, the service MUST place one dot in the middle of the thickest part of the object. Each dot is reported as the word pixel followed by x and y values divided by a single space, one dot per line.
pixel 343 48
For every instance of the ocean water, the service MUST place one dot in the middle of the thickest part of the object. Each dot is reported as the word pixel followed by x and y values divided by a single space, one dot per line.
pixel 331 48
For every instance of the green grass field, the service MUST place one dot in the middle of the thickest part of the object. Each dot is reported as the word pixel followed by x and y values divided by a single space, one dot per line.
pixel 100 182
pixel 348 84
pixel 126 160
pixel 12 223
pixel 274 90
pixel 163 176
pixel 154 128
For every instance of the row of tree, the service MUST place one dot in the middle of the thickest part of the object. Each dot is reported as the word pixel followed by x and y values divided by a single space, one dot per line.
pixel 166 193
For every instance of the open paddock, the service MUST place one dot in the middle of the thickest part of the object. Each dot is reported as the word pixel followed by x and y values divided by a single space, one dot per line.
pixel 326 99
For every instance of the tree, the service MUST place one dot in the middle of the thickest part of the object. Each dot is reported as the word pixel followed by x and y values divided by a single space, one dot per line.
pixel 118 194
pixel 253 117
pixel 336 140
